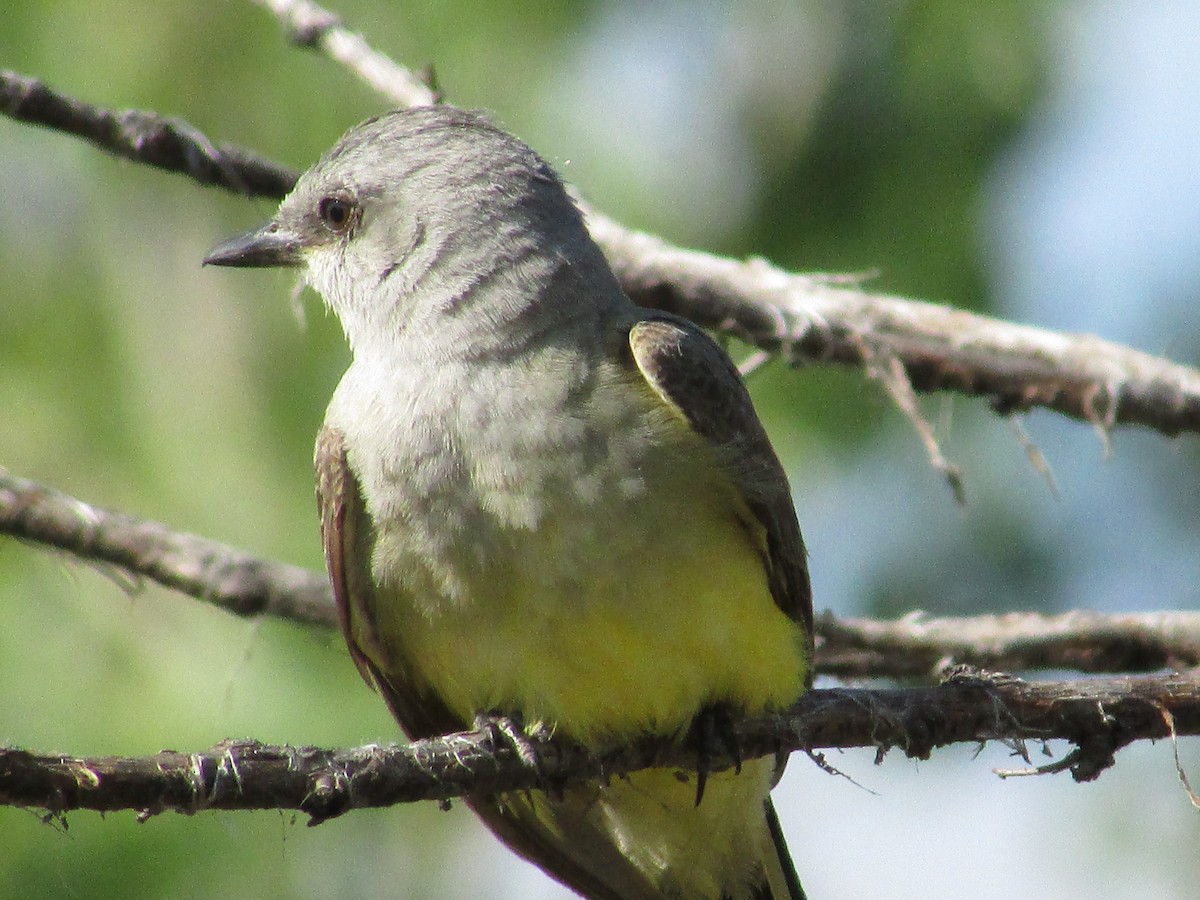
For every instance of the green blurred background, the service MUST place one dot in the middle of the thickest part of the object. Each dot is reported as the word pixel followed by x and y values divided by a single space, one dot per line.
pixel 1034 160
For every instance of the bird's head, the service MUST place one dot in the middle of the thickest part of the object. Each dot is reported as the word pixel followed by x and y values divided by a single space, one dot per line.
pixel 410 212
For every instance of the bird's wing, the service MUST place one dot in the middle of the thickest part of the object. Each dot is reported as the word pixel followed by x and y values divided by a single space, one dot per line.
pixel 698 381
pixel 338 503
pixel 348 535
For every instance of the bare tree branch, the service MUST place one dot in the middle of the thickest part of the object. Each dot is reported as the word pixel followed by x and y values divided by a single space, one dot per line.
pixel 807 318
pixel 310 25
pixel 889 371
pixel 143 137
pixel 202 568
pixel 914 646
pixel 1099 717
pixel 819 318
pixel 919 646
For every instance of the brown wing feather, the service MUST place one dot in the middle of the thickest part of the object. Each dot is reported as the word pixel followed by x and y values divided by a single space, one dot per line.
pixel 337 502
pixel 691 373
pixel 348 535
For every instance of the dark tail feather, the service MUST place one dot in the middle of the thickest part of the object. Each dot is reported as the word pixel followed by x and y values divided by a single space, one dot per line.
pixel 795 891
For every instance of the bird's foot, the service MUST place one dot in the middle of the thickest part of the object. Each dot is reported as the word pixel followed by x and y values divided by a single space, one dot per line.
pixel 712 731
pixel 509 729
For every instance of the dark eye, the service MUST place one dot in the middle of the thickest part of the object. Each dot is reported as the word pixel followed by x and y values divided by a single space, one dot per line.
pixel 336 213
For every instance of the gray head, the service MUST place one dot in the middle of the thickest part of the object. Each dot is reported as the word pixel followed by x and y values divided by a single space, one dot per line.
pixel 415 216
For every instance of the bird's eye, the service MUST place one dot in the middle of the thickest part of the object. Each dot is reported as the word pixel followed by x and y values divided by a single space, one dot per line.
pixel 337 213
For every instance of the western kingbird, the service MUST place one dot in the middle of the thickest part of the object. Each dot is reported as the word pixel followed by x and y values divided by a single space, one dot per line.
pixel 540 501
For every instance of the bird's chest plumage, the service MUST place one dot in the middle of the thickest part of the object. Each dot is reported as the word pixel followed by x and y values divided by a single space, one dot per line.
pixel 508 478
pixel 544 530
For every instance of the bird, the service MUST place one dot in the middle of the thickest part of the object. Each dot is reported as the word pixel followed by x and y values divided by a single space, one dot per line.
pixel 543 504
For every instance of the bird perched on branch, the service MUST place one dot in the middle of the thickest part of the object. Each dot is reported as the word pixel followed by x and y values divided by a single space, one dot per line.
pixel 543 505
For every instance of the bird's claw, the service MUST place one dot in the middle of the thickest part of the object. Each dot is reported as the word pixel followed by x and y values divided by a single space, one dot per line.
pixel 510 729
pixel 712 731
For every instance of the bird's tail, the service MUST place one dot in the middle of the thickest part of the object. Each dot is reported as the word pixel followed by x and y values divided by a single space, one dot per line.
pixel 780 881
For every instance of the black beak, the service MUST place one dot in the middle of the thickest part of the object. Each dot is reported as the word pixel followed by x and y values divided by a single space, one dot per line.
pixel 264 247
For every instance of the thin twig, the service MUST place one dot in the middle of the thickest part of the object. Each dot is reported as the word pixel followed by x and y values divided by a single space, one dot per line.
pixel 1192 796
pixel 890 372
pixel 310 25
pixel 1034 454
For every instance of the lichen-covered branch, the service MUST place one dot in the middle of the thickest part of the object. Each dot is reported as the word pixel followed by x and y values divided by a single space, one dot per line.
pixel 1098 717
pixel 806 318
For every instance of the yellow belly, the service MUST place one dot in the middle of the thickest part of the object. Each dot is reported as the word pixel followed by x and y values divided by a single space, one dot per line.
pixel 604 631
pixel 595 572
